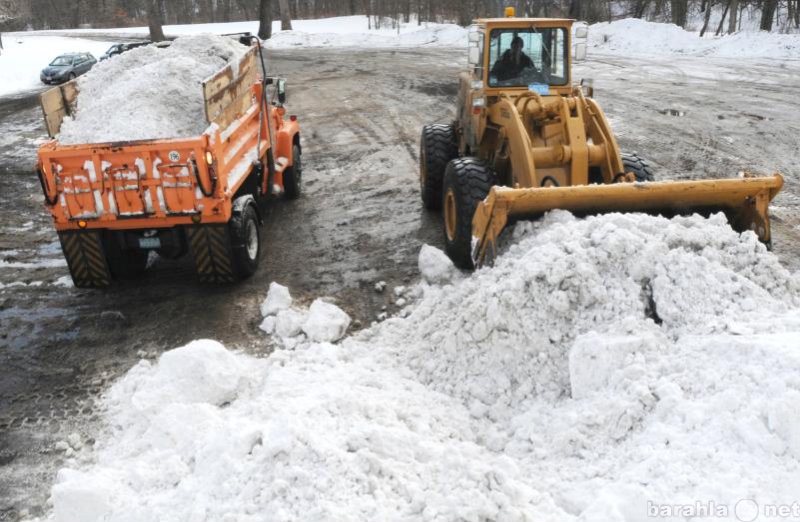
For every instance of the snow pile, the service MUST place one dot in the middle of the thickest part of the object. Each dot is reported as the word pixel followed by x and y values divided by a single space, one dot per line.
pixel 601 364
pixel 23 57
pixel 149 92
pixel 354 31
pixel 636 36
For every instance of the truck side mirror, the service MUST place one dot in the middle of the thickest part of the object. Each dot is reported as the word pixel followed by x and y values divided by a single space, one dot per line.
pixel 281 88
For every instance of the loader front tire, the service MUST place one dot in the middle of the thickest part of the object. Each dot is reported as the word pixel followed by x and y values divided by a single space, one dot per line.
pixel 467 182
pixel 437 146
pixel 641 170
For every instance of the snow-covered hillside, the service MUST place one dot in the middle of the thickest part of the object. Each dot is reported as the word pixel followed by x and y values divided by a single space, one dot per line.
pixel 604 367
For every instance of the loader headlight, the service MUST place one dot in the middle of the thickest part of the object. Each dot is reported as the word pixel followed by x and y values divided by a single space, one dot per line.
pixel 209 158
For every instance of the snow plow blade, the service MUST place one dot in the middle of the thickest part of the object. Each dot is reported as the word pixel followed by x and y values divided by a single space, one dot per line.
pixel 745 202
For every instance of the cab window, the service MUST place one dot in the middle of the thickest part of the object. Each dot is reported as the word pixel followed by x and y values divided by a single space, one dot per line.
pixel 520 57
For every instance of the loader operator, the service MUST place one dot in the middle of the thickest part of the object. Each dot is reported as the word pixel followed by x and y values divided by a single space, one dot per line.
pixel 513 62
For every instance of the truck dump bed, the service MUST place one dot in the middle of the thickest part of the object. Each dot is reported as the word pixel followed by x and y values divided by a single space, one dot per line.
pixel 161 182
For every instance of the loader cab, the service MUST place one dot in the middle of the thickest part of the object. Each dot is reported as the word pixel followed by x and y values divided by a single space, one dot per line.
pixel 514 55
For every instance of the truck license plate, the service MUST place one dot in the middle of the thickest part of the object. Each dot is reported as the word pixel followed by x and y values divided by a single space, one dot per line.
pixel 149 242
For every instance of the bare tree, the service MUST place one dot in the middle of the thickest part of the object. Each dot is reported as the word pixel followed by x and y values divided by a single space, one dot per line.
pixel 768 8
pixel 265 19
pixel 286 15
pixel 155 19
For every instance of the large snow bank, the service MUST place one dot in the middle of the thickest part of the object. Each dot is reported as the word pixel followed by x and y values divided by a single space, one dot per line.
pixel 149 92
pixel 601 365
pixel 635 36
pixel 340 31
pixel 353 31
pixel 23 57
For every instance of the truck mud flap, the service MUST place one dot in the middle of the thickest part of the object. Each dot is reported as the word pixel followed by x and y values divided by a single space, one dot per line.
pixel 86 258
pixel 213 256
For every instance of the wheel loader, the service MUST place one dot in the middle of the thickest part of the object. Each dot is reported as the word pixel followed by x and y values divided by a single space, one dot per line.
pixel 527 140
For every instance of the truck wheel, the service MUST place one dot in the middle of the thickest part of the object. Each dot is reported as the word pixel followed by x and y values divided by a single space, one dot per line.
pixel 437 146
pixel 124 263
pixel 292 175
pixel 467 181
pixel 245 236
pixel 213 256
pixel 83 250
pixel 641 170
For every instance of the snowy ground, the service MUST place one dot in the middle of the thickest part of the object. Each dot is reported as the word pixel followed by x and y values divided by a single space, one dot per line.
pixel 360 222
pixel 602 367
pixel 24 56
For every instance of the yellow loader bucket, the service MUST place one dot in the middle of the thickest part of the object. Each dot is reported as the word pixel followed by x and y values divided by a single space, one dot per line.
pixel 745 202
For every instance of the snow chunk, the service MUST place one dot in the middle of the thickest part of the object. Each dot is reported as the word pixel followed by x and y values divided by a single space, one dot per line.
pixel 203 371
pixel 278 298
pixel 326 322
pixel 289 323
pixel 435 266
pixel 81 497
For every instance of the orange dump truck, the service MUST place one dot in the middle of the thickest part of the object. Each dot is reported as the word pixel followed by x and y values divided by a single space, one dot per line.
pixel 114 203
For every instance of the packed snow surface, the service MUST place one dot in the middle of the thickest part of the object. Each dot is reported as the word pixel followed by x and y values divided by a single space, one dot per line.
pixel 602 366
pixel 149 92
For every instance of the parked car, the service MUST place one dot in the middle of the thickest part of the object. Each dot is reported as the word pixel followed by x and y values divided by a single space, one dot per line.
pixel 67 67
pixel 121 48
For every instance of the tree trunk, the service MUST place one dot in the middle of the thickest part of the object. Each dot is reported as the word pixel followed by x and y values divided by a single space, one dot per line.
pixel 265 19
pixel 678 10
pixel 155 19
pixel 732 19
pixel 722 20
pixel 767 14
pixel 575 9
pixel 286 15
pixel 706 19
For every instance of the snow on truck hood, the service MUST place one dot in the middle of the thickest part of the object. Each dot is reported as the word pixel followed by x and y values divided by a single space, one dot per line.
pixel 601 368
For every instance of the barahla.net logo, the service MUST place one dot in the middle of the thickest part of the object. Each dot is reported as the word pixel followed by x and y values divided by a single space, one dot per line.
pixel 745 510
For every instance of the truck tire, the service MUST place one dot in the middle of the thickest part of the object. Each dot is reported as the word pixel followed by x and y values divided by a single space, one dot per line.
pixel 212 253
pixel 641 170
pixel 437 146
pixel 124 263
pixel 83 250
pixel 246 238
pixel 467 181
pixel 292 176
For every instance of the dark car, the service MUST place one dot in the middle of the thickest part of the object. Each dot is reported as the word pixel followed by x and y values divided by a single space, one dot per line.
pixel 121 48
pixel 67 67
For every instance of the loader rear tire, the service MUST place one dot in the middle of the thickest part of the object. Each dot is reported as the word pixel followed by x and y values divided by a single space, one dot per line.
pixel 437 146
pixel 641 170
pixel 292 175
pixel 467 182
pixel 83 250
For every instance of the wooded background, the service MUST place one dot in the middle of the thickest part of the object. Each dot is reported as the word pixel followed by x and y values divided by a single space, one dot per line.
pixel 57 14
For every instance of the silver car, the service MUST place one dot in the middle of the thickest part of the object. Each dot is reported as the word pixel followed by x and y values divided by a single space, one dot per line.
pixel 67 67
